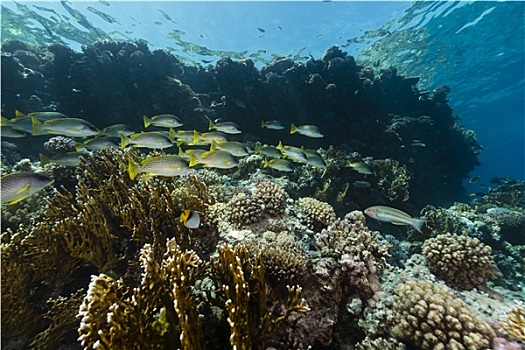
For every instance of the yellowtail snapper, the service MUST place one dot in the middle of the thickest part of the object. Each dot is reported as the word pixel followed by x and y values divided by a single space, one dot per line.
pixel 72 127
pixel 18 186
pixel 273 125
pixel 116 130
pixel 164 165
pixel 307 130
pixel 293 153
pixel 97 144
pixel 10 132
pixel 154 140
pixel 267 151
pixel 64 159
pixel 361 167
pixel 207 137
pixel 225 127
pixel 236 149
pixel 163 120
pixel 278 164
pixel 213 159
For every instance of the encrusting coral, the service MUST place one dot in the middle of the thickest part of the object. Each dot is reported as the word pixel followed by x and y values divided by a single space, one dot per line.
pixel 429 316
pixel 462 262
pixel 357 251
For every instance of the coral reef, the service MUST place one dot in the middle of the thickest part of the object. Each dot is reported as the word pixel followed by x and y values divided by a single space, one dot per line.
pixel 60 144
pixel 461 261
pixel 273 197
pixel 266 239
pixel 514 324
pixel 244 209
pixel 317 214
pixel 429 316
pixel 356 250
pixel 389 119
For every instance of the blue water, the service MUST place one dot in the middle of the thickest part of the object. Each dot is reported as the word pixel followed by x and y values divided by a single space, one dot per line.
pixel 476 48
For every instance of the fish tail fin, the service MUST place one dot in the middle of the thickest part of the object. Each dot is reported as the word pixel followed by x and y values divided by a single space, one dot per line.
pixel 293 129
pixel 263 124
pixel 19 114
pixel 266 164
pixel 211 125
pixel 147 121
pixel 133 168
pixel 124 141
pixel 417 224
pixel 279 146
pixel 257 148
pixel 44 159
pixel 195 137
pixel 193 158
pixel 181 153
pixel 37 126
pixel 79 146
pixel 172 134
pixel 4 121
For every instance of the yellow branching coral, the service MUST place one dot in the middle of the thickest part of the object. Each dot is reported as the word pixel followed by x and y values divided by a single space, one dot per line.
pixel 182 269
pixel 243 283
pixel 154 315
pixel 514 324
pixel 63 320
pixel 18 317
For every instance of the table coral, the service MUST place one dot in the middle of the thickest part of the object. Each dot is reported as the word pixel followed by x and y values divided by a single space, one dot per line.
pixel 429 316
pixel 461 261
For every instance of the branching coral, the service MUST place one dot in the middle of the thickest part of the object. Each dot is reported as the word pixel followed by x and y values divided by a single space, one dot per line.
pixel 62 316
pixel 461 261
pixel 514 324
pixel 393 179
pixel 244 210
pixel 284 260
pixel 18 317
pixel 273 196
pixel 318 214
pixel 243 283
pixel 429 316
pixel 147 317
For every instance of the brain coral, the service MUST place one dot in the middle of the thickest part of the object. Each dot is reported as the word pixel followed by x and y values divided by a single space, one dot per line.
pixel 429 316
pixel 273 196
pixel 318 214
pixel 461 261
